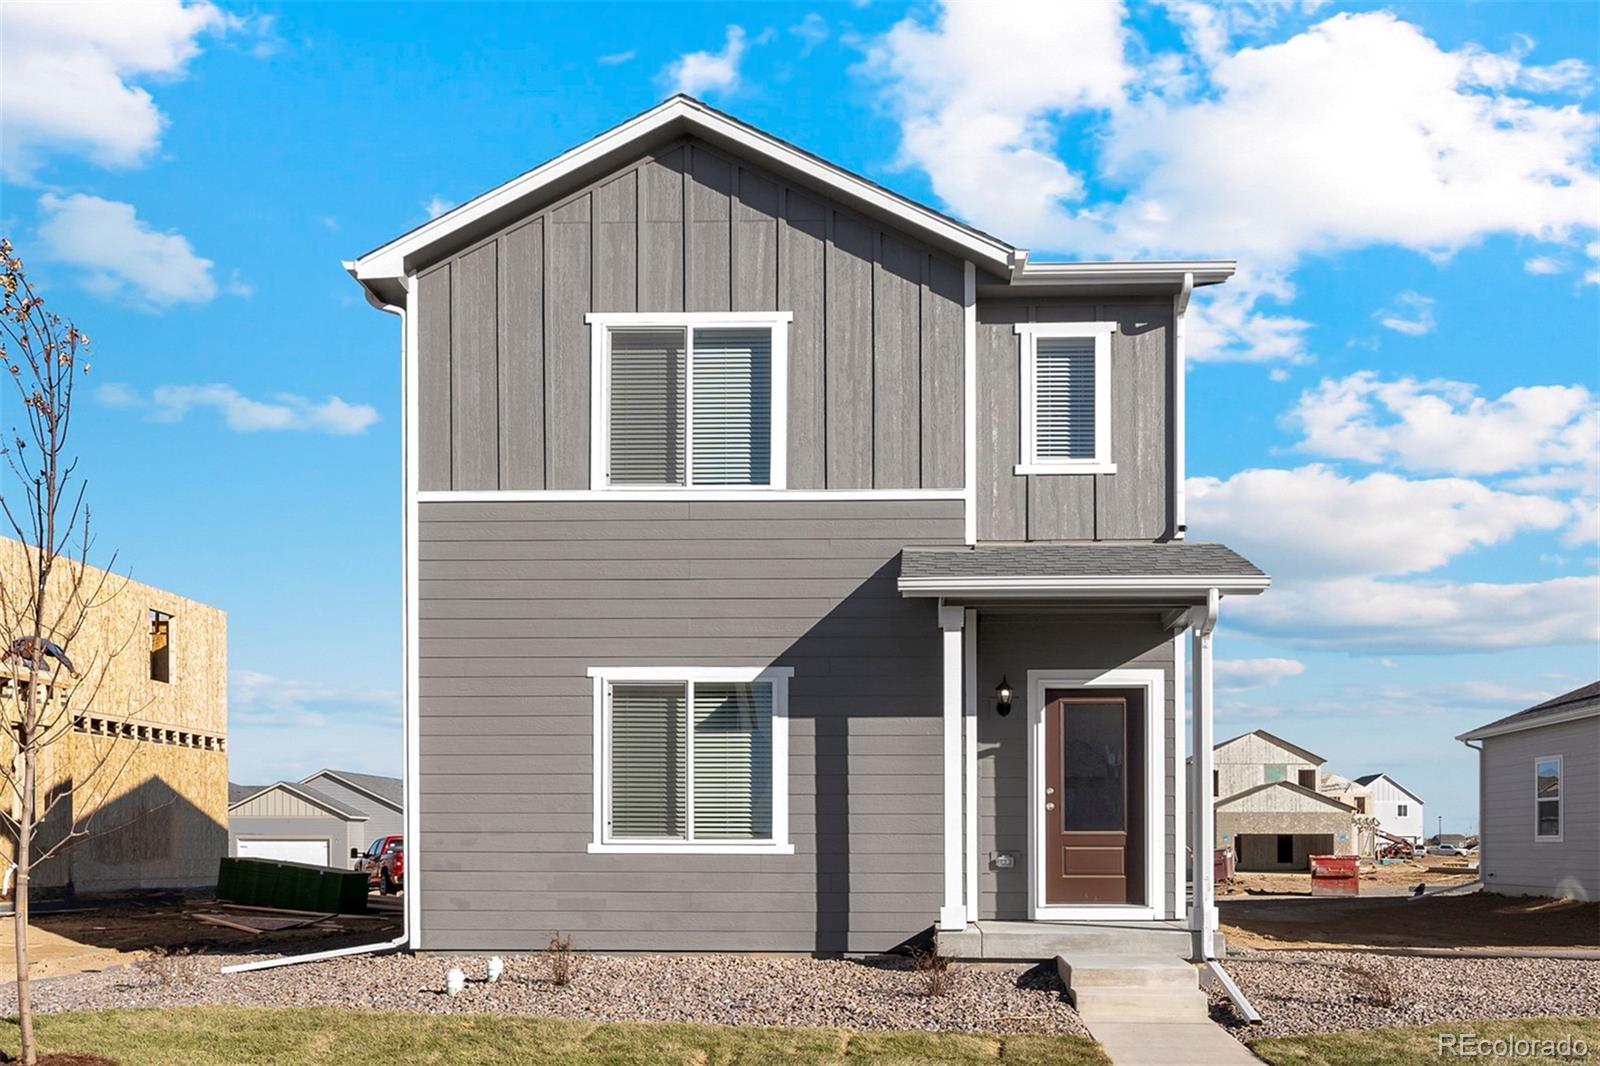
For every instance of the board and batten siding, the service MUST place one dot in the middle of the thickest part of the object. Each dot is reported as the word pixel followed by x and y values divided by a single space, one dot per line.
pixel 1513 862
pixel 518 600
pixel 1132 504
pixel 876 347
pixel 1009 645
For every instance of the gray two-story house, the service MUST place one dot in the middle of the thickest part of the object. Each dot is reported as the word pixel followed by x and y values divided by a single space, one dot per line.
pixel 789 566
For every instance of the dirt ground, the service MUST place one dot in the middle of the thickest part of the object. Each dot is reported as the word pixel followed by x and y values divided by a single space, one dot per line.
pixel 1477 921
pixel 1396 879
pixel 120 933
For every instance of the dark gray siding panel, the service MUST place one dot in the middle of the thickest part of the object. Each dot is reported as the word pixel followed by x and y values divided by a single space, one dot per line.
pixel 518 600
pixel 876 346
pixel 522 357
pixel 1131 504
pixel 474 370
pixel 433 378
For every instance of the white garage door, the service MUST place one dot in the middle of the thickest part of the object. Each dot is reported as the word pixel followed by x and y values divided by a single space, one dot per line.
pixel 314 852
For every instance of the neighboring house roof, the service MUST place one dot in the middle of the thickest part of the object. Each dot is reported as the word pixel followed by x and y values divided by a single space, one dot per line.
pixel 389 791
pixel 381 269
pixel 1299 791
pixel 236 793
pixel 1309 756
pixel 1368 779
pixel 310 795
pixel 1571 706
pixel 1174 567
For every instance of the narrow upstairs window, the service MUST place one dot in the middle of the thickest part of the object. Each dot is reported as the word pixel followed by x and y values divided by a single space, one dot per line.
pixel 160 646
pixel 1066 390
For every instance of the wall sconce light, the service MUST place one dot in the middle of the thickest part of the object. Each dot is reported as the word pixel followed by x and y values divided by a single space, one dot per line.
pixel 1002 697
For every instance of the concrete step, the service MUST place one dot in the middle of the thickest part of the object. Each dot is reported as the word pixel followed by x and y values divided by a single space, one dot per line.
pixel 1133 1043
pixel 1033 941
pixel 1129 1005
pixel 1125 971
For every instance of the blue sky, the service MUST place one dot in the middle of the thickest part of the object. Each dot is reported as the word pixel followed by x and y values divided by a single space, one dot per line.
pixel 1392 407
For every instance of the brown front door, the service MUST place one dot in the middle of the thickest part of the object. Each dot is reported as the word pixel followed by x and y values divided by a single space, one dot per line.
pixel 1092 802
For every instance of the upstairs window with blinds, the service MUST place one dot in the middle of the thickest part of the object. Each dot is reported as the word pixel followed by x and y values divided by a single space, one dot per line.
pixel 692 762
pixel 1066 392
pixel 689 400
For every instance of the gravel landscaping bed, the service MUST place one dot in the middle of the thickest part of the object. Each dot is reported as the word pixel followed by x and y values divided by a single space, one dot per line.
pixel 704 989
pixel 1328 991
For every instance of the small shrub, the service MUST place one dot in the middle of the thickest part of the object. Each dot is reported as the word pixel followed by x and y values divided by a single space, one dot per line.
pixel 1377 983
pixel 165 966
pixel 933 969
pixel 561 963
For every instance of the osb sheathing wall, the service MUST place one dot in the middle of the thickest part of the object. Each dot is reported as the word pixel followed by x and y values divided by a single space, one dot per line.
pixel 157 807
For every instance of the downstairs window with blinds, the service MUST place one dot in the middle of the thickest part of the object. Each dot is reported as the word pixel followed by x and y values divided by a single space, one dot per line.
pixel 689 405
pixel 691 762
pixel 1065 398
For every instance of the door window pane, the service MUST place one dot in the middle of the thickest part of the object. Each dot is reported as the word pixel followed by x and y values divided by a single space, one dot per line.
pixel 1094 760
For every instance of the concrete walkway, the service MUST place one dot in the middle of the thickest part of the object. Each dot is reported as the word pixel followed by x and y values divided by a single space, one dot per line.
pixel 1149 1011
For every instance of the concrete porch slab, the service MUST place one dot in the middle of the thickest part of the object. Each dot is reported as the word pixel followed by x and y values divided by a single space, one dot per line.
pixel 990 940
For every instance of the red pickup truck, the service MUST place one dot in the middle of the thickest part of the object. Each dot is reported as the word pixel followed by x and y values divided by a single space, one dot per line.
pixel 384 863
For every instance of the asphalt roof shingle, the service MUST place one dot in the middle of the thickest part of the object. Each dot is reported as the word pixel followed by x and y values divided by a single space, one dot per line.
pixel 1180 558
pixel 1567 701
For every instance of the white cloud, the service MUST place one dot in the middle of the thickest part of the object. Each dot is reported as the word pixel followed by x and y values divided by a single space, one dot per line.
pixel 812 31
pixel 1236 674
pixel 120 256
pixel 614 59
pixel 1367 614
pixel 1544 264
pixel 284 412
pixel 699 73
pixel 436 205
pixel 1445 426
pixel 1313 523
pixel 1411 313
pixel 72 72
pixel 356 728
pixel 1585 528
pixel 1355 132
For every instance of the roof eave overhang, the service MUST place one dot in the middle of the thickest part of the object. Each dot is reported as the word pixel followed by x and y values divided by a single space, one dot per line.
pixel 1500 729
pixel 674 118
pixel 1141 276
pixel 1130 589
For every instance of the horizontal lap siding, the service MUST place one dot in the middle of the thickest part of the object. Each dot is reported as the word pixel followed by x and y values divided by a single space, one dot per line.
pixel 1513 862
pixel 876 349
pixel 518 600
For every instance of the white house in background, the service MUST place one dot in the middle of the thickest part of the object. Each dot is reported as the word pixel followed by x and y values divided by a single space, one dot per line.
pixel 1398 809
pixel 1539 798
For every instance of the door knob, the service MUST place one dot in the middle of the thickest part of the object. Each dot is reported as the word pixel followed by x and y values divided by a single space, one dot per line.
pixel 1049 806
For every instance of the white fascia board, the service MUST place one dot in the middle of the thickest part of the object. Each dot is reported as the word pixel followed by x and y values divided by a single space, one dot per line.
pixel 684 494
pixel 1151 272
pixel 389 260
pixel 1132 587
pixel 1576 714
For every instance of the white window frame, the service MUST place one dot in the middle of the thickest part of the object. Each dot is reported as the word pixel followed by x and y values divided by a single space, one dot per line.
pixel 605 676
pixel 1561 799
pixel 600 326
pixel 1100 333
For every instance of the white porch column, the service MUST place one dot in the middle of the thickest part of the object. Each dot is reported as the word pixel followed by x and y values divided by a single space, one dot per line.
pixel 970 665
pixel 1203 911
pixel 953 913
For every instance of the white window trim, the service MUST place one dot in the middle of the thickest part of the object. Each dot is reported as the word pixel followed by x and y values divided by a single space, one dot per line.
pixel 1153 682
pixel 600 326
pixel 1561 799
pixel 1100 333
pixel 777 676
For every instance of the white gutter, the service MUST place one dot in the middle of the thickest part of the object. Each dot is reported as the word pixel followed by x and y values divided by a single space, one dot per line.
pixel 1180 428
pixel 399 941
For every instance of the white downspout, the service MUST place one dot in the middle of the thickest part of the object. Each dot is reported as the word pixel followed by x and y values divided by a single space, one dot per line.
pixel 399 941
pixel 1203 911
pixel 1180 428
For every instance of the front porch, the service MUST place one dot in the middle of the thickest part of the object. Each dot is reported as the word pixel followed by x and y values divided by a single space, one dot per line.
pixel 1067 807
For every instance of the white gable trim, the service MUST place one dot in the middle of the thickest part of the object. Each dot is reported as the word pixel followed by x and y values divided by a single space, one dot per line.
pixel 683 114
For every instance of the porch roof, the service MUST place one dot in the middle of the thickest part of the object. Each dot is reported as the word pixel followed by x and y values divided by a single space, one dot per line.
pixel 1175 570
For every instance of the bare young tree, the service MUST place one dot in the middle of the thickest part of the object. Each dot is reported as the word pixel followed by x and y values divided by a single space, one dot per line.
pixel 47 685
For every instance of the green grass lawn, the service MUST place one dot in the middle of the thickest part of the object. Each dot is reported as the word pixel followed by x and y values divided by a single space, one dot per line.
pixel 225 1036
pixel 1404 1047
